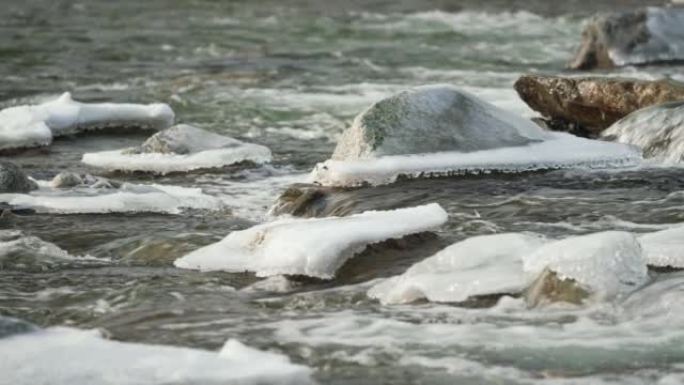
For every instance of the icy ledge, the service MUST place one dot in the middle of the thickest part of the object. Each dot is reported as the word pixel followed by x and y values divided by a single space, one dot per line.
pixel 128 198
pixel 314 247
pixel 36 125
pixel 181 148
pixel 61 355
pixel 605 265
pixel 562 151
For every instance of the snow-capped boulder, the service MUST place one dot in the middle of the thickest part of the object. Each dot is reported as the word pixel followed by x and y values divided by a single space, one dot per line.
pixel 180 148
pixel 482 265
pixel 13 179
pixel 658 131
pixel 606 264
pixel 650 35
pixel 440 130
pixel 550 287
pixel 315 247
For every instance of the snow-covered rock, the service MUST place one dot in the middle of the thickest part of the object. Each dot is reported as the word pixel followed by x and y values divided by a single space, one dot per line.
pixel 36 125
pixel 180 148
pixel 649 35
pixel 606 264
pixel 482 265
pixel 103 196
pixel 657 130
pixel 61 355
pixel 664 248
pixel 315 247
pixel 13 179
pixel 440 130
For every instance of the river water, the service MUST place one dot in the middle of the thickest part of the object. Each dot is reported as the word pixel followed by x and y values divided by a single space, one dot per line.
pixel 292 76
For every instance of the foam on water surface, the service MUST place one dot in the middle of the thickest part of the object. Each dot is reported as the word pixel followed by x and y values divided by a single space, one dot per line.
pixel 314 247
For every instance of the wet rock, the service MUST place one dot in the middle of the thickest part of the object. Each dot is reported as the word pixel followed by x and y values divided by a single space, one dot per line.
pixel 651 35
pixel 66 179
pixel 550 288
pixel 13 179
pixel 431 119
pixel 303 200
pixel 590 105
pixel 657 130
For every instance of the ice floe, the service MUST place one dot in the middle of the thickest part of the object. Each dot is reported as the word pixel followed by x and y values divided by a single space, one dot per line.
pixel 482 265
pixel 607 264
pixel 314 247
pixel 61 355
pixel 36 125
pixel 180 148
pixel 102 198
pixel 441 130
pixel 664 248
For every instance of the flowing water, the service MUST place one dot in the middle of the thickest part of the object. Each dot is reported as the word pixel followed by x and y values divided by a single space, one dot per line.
pixel 291 76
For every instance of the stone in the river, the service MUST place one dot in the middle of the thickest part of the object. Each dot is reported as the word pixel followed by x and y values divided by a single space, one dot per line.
pixel 592 104
pixel 13 179
pixel 550 288
pixel 651 35
pixel 66 179
pixel 432 119
pixel 657 130
pixel 181 148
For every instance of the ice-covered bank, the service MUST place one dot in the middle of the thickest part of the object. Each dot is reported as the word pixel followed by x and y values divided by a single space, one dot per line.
pixel 62 355
pixel 180 148
pixel 601 265
pixel 441 130
pixel 102 197
pixel 314 247
pixel 36 125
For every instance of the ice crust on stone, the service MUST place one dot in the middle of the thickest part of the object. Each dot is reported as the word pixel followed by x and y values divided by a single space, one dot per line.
pixel 314 247
pixel 664 248
pixel 128 198
pixel 61 355
pixel 36 125
pixel 562 151
pixel 607 264
pixel 657 130
pixel 441 130
pixel 180 148
pixel 482 265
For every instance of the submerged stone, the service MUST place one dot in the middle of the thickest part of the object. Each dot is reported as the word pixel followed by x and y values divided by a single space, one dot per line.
pixel 550 288
pixel 591 104
pixel 13 179
pixel 650 35
pixel 657 130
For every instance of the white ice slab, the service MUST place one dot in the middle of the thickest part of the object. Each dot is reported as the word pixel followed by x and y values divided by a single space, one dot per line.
pixel 664 248
pixel 608 264
pixel 315 247
pixel 65 356
pixel 36 125
pixel 206 150
pixel 482 265
pixel 129 198
pixel 563 151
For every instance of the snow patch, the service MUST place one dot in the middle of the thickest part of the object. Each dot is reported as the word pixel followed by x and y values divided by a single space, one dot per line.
pixel 664 248
pixel 315 247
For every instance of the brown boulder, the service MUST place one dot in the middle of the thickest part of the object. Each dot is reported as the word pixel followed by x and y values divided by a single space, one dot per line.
pixel 590 105
pixel 550 288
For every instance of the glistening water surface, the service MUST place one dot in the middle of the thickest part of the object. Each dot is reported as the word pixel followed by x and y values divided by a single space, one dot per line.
pixel 292 75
